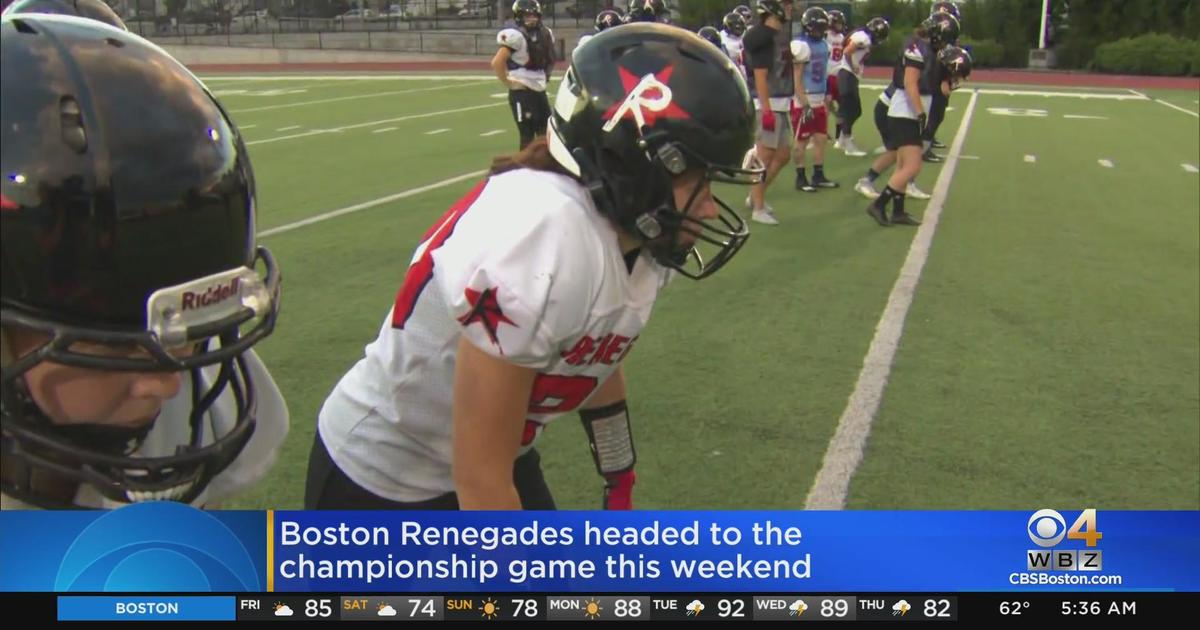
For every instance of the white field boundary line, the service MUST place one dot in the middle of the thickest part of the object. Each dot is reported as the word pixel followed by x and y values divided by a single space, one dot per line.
pixel 358 207
pixel 317 132
pixel 355 97
pixel 1172 106
pixel 845 451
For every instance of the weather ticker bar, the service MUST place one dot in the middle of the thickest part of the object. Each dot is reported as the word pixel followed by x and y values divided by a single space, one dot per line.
pixel 950 607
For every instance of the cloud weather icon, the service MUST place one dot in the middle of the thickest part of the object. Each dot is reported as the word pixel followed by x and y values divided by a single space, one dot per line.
pixel 386 610
pixel 797 608
pixel 901 608
pixel 283 610
pixel 695 607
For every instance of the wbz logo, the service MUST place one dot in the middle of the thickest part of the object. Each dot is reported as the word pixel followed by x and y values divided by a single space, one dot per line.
pixel 1047 528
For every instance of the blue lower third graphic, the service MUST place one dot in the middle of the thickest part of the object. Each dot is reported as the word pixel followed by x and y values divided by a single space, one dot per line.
pixel 136 608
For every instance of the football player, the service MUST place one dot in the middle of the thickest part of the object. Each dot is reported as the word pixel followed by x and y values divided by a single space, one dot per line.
pixel 710 35
pixel 130 298
pixel 850 70
pixel 835 36
pixel 769 71
pixel 646 11
pixel 733 28
pixel 923 68
pixel 810 108
pixel 523 64
pixel 946 29
pixel 604 20
pixel 937 111
pixel 522 301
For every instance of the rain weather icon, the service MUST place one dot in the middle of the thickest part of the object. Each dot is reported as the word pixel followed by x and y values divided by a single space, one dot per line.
pixel 283 610
pixel 797 608
pixel 694 608
pixel 386 610
pixel 901 608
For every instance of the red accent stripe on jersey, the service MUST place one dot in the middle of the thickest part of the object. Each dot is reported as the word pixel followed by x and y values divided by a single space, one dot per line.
pixel 421 272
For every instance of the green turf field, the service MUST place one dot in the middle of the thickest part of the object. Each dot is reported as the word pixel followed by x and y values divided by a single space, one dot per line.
pixel 1050 356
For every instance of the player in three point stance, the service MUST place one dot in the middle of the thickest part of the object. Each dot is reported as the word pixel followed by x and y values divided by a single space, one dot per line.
pixel 850 69
pixel 130 300
pixel 924 73
pixel 522 301
pixel 523 64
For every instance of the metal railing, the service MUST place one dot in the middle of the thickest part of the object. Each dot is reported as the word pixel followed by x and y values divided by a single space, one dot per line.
pixel 193 18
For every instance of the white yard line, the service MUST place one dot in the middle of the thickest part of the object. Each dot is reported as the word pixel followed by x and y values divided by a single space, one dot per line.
pixel 1191 168
pixel 354 97
pixel 1031 159
pixel 333 214
pixel 316 132
pixel 491 133
pixel 1105 163
pixel 436 132
pixel 385 129
pixel 845 451
pixel 1186 111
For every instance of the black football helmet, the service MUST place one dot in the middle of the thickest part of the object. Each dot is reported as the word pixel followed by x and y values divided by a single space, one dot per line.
pixel 837 20
pixel 815 22
pixel 734 24
pixel 128 216
pixel 948 8
pixel 711 35
pixel 878 30
pixel 957 63
pixel 522 8
pixel 642 105
pixel 646 11
pixel 92 9
pixel 744 11
pixel 771 7
pixel 942 29
pixel 607 19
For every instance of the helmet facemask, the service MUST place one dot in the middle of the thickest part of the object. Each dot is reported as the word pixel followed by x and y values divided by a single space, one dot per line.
pixel 103 455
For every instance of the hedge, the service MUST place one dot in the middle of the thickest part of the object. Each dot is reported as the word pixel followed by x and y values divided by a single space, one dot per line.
pixel 1149 54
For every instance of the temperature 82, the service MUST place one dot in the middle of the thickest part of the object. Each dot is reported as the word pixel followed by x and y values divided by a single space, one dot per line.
pixel 1013 608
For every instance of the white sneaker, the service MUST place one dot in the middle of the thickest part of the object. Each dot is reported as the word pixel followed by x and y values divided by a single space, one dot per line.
pixel 880 150
pixel 839 143
pixel 765 217
pixel 916 193
pixel 865 188
pixel 851 149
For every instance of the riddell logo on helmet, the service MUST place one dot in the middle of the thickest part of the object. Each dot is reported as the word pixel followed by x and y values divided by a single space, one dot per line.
pixel 213 295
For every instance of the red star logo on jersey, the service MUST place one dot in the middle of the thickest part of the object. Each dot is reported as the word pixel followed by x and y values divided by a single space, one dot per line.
pixel 485 309
pixel 647 99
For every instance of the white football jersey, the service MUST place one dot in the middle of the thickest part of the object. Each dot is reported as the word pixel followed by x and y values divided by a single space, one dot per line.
pixel 529 271
pixel 514 39
pixel 736 49
pixel 862 46
pixel 836 41
pixel 172 428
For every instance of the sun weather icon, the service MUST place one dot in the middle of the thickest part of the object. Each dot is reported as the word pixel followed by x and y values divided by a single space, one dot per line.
pixel 591 608
pixel 490 608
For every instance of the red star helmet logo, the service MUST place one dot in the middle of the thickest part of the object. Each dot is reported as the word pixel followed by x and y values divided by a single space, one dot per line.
pixel 646 100
pixel 485 309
